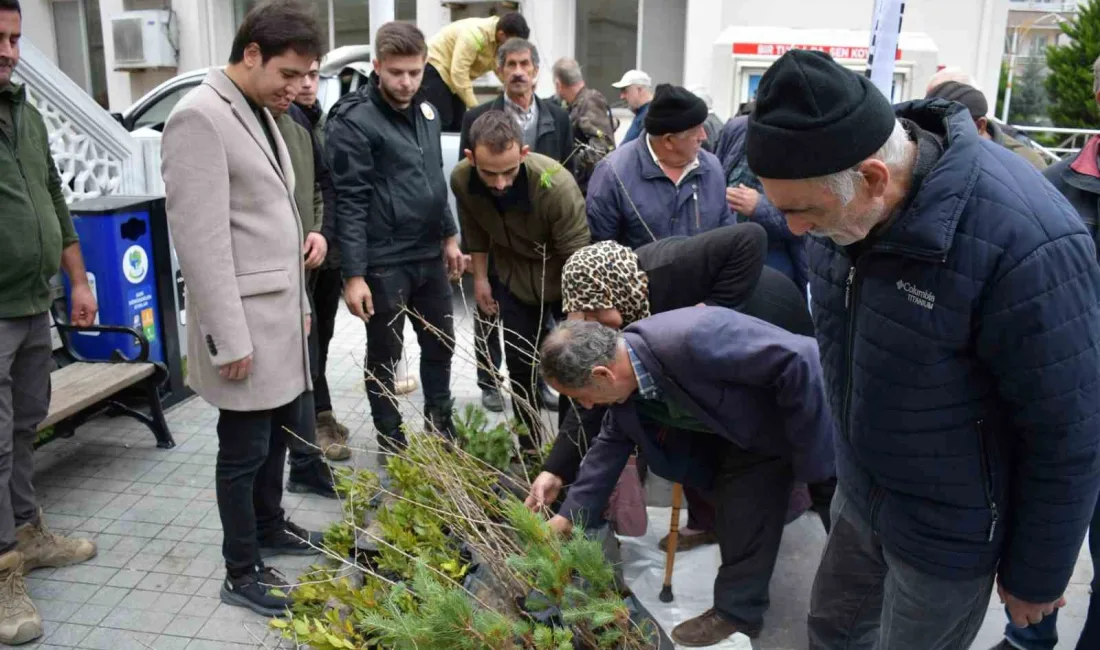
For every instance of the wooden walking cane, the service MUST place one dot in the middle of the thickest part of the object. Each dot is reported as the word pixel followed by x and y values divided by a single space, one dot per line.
pixel 673 540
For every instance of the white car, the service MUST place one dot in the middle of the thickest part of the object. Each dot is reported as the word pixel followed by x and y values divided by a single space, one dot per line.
pixel 343 70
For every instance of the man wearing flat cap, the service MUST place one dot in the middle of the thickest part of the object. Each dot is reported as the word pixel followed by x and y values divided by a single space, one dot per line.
pixel 957 306
pixel 663 183
pixel 974 100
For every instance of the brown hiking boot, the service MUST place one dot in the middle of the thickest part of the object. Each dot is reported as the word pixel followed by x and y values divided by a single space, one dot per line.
pixel 19 619
pixel 329 438
pixel 686 543
pixel 708 628
pixel 42 548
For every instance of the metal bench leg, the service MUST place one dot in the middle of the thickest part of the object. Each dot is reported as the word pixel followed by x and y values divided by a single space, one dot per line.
pixel 159 425
pixel 155 420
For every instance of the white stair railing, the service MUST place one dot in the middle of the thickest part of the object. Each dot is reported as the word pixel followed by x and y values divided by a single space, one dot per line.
pixel 1073 139
pixel 95 155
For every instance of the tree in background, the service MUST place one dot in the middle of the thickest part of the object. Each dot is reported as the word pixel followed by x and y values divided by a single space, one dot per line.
pixel 1029 96
pixel 1002 85
pixel 1069 84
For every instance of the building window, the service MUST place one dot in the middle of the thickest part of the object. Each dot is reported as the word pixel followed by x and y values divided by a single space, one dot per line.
pixel 1039 44
pixel 350 19
pixel 606 41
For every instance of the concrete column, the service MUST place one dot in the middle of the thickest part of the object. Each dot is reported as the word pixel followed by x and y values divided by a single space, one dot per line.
pixel 431 16
pixel 119 96
pixel 381 12
pixel 221 28
pixel 37 27
pixel 553 31
pixel 703 25
pixel 661 40
pixel 194 37
pixel 990 45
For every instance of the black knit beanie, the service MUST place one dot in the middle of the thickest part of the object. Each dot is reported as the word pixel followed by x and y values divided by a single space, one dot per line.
pixel 674 109
pixel 968 96
pixel 814 117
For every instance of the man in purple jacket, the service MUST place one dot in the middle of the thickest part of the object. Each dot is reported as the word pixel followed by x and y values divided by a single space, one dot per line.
pixel 714 399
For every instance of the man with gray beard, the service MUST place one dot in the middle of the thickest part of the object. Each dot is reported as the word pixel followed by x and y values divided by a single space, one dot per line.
pixel 956 302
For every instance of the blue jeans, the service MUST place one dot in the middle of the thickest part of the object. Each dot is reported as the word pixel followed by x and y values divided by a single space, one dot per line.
pixel 1044 635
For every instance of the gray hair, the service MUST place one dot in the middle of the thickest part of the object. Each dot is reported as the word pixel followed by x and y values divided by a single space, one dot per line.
pixel 574 348
pixel 568 72
pixel 515 46
pixel 1096 76
pixel 843 184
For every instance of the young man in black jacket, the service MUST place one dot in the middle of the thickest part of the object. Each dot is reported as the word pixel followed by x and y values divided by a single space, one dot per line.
pixel 547 130
pixel 398 239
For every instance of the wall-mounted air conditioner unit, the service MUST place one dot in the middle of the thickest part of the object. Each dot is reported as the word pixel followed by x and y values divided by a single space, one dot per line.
pixel 459 5
pixel 145 39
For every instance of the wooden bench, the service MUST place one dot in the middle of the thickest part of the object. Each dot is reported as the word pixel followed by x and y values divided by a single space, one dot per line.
pixel 82 389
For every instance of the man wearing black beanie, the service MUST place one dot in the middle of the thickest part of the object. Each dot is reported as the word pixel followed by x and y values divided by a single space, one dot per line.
pixel 663 183
pixel 956 304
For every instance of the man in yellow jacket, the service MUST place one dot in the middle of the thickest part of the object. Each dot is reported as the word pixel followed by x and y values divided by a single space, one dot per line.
pixel 460 53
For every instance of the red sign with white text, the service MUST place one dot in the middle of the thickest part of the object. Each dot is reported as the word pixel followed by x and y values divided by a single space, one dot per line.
pixel 779 49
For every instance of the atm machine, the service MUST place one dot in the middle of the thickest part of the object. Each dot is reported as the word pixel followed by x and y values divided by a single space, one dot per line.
pixel 743 54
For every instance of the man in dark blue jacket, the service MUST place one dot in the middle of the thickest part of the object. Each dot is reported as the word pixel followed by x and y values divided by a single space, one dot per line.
pixel 715 400
pixel 956 298
pixel 661 184
pixel 398 240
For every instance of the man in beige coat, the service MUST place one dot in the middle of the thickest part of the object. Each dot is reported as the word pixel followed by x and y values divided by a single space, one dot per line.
pixel 229 183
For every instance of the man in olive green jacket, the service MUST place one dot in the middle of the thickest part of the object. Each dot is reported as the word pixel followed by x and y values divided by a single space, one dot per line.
pixel 526 211
pixel 308 471
pixel 36 237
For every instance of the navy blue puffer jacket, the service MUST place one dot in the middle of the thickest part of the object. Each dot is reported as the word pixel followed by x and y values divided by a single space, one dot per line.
pixel 962 355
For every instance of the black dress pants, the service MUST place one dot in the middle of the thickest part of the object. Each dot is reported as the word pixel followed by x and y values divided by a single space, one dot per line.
pixel 327 287
pixel 422 287
pixel 450 107
pixel 249 477
pixel 524 326
pixel 751 492
pixel 487 350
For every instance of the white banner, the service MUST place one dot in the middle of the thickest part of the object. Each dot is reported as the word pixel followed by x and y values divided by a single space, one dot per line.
pixel 885 28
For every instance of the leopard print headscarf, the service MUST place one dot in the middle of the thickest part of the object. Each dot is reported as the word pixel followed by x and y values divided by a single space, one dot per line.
pixel 602 276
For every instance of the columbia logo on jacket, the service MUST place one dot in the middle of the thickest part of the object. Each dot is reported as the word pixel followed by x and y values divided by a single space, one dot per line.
pixel 925 299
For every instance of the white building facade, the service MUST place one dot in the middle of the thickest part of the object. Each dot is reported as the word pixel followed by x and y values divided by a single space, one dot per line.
pixel 721 44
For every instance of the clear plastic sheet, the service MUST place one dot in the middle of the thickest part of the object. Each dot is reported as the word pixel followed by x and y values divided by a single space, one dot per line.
pixel 643 567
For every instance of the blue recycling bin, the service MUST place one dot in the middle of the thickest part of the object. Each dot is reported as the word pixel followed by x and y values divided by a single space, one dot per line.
pixel 117 242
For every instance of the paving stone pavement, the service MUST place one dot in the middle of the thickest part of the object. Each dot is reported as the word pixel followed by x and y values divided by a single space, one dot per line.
pixel 156 579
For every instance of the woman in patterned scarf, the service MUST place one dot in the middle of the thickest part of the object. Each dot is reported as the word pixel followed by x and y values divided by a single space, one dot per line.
pixel 604 282
pixel 617 286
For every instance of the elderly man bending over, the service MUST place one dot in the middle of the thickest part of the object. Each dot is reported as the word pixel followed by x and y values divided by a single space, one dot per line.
pixel 714 399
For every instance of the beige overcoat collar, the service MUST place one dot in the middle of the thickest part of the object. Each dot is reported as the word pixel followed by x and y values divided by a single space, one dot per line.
pixel 228 91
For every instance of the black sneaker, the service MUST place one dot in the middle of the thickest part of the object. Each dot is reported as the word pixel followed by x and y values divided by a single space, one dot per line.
pixel 316 478
pixel 492 400
pixel 291 539
pixel 253 591
pixel 393 442
pixel 440 421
